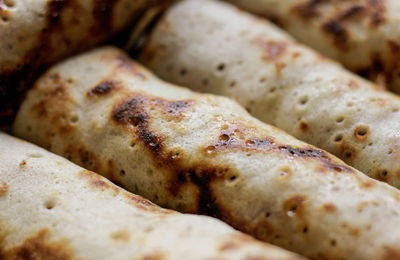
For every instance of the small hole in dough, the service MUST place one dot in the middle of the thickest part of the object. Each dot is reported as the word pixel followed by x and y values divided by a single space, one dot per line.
pixel 50 204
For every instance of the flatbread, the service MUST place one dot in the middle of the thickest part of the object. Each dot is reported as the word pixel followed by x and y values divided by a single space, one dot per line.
pixel 364 35
pixel 280 82
pixel 53 209
pixel 205 154
pixel 36 33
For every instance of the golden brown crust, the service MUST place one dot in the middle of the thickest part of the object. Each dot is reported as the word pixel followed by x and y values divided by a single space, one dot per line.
pixel 38 247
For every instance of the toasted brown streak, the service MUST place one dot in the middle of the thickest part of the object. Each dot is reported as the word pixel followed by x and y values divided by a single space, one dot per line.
pixel 102 89
pixel 58 96
pixel 339 33
pixel 38 248
pixel 145 205
pixel 376 10
pixel 303 125
pixel 336 27
pixel 330 207
pixel 153 256
pixel 368 184
pixel 308 9
pixel 382 66
pixel 22 164
pixel 135 114
pixel 3 189
pixel 83 156
pixel 391 254
pixel 97 182
pixel 230 138
pixel 229 245
pixel 351 12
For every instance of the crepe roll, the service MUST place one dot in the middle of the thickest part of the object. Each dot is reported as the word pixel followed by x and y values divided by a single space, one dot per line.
pixel 204 154
pixel 35 34
pixel 51 208
pixel 364 35
pixel 212 47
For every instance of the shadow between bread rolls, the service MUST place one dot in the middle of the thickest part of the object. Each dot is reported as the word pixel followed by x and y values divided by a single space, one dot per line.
pixel 54 209
pixel 213 47
pixel 204 154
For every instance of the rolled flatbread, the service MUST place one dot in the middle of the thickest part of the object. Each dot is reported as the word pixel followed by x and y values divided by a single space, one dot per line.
pixel 53 209
pixel 35 34
pixel 205 154
pixel 221 50
pixel 364 35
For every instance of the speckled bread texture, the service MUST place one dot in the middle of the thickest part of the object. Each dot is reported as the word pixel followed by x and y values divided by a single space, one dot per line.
pixel 221 50
pixel 54 209
pixel 362 34
pixel 204 154
pixel 36 33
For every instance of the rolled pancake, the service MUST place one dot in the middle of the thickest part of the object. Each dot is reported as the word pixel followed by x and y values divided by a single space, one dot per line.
pixel 364 35
pixel 37 33
pixel 205 154
pixel 54 209
pixel 221 50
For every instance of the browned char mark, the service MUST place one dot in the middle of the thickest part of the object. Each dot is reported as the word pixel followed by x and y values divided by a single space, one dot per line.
pixel 336 25
pixel 382 66
pixel 135 114
pixel 103 88
pixel 38 247
pixel 53 106
pixel 3 189
pixel 229 140
pixel 308 9
pixel 391 254
pixel 97 182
